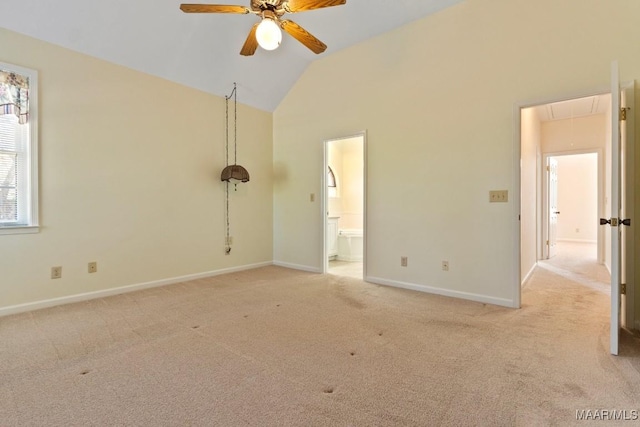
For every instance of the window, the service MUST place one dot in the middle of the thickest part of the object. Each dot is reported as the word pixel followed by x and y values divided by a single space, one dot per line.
pixel 18 150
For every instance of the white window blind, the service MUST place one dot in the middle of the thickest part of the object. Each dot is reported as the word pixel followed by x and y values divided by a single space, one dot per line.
pixel 18 150
pixel 13 138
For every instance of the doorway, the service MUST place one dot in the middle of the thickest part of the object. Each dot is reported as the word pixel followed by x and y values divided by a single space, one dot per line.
pixel 564 182
pixel 571 196
pixel 574 245
pixel 344 204
pixel 618 197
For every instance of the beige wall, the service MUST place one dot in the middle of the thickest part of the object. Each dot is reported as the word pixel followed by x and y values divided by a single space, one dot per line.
pixel 130 177
pixel 437 99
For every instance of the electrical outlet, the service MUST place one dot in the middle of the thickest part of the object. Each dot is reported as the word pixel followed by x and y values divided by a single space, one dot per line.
pixel 56 272
pixel 93 267
pixel 498 196
pixel 445 265
pixel 404 261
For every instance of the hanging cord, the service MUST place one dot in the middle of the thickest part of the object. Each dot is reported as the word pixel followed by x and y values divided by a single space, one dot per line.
pixel 227 250
pixel 235 124
pixel 226 126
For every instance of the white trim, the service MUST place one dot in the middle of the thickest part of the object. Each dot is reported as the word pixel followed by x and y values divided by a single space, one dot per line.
pixel 23 229
pixel 631 269
pixel 297 267
pixel 324 205
pixel 350 258
pixel 21 308
pixel 577 241
pixel 32 216
pixel 444 292
pixel 528 275
pixel 601 171
pixel 516 248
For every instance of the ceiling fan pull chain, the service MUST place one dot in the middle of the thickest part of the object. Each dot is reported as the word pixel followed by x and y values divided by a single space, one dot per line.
pixel 235 124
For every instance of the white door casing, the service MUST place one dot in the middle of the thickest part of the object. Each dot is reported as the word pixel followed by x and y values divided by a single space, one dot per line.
pixel 326 228
pixel 552 182
pixel 616 204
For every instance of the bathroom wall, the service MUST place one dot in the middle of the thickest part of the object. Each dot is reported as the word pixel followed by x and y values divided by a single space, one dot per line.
pixel 346 159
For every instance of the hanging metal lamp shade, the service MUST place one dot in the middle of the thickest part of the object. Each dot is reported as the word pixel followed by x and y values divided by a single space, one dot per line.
pixel 234 172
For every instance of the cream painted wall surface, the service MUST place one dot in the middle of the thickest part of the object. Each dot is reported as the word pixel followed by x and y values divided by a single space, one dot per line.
pixel 530 129
pixel 130 177
pixel 352 183
pixel 436 98
pixel 578 197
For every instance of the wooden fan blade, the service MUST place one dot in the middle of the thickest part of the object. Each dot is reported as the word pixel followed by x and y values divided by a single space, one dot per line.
pixel 213 8
pixel 302 5
pixel 251 44
pixel 303 36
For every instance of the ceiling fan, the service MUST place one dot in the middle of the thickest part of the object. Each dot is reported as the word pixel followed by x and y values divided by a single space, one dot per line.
pixel 266 33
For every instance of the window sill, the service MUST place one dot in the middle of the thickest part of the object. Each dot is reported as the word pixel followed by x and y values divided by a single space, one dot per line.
pixel 19 229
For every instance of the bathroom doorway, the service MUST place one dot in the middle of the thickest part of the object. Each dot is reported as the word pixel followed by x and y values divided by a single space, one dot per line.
pixel 344 204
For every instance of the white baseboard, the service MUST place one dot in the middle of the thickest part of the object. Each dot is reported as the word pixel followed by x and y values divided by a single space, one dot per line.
pixel 577 240
pixel 21 308
pixel 441 291
pixel 297 267
pixel 350 258
pixel 528 275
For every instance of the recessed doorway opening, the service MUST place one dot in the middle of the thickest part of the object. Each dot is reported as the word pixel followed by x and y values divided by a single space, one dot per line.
pixel 344 204
pixel 564 188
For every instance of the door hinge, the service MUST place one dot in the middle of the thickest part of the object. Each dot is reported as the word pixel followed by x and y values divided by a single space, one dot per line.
pixel 623 288
pixel 547 243
pixel 548 168
pixel 623 113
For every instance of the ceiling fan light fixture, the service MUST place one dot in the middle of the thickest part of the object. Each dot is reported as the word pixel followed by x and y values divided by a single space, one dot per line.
pixel 269 34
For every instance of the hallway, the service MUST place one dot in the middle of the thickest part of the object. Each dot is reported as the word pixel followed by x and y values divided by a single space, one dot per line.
pixel 578 262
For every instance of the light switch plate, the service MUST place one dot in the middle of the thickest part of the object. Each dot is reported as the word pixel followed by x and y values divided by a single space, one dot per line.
pixel 498 196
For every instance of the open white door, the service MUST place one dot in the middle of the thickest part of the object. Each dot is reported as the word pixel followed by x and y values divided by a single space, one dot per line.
pixel 552 182
pixel 616 176
pixel 627 298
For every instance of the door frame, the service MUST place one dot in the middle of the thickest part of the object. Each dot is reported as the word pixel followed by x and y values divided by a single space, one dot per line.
pixel 601 202
pixel 325 200
pixel 517 171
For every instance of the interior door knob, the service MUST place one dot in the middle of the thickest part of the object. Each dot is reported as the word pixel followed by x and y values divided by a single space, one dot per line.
pixel 557 212
pixel 626 222
pixel 604 221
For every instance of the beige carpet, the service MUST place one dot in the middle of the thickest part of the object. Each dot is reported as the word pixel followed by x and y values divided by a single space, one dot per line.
pixel 280 347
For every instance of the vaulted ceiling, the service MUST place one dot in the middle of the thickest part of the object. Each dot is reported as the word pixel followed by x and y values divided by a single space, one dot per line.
pixel 202 50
